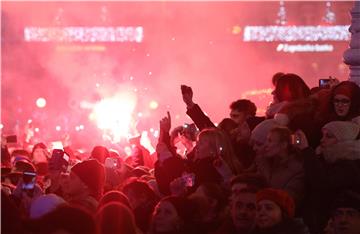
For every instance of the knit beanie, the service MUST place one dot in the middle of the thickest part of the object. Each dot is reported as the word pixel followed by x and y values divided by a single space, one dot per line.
pixel 91 173
pixel 344 89
pixel 260 132
pixel 346 199
pixel 280 197
pixel 343 130
pixel 44 204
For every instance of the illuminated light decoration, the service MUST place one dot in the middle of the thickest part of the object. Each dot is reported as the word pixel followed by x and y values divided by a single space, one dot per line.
pixel 236 30
pixel 151 130
pixel 304 48
pixel 29 121
pixel 281 14
pixel 77 128
pixel 153 105
pixel 83 34
pixel 41 102
pixel 57 128
pixel 150 73
pixel 256 92
pixel 1 126
pixel 97 85
pixel 330 16
pixel 140 114
pixel 156 133
pixel 114 115
pixel 81 127
pixel 37 129
pixel 296 33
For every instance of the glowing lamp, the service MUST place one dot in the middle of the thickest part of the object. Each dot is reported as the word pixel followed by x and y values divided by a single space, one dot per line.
pixel 153 105
pixel 41 102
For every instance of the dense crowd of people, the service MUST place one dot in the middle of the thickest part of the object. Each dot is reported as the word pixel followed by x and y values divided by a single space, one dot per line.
pixel 295 170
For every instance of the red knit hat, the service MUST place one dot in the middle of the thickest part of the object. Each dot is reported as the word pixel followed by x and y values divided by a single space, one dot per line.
pixel 280 197
pixel 91 173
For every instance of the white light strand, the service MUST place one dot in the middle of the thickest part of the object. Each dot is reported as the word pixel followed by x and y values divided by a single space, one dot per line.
pixel 83 34
pixel 329 17
pixel 296 33
pixel 281 14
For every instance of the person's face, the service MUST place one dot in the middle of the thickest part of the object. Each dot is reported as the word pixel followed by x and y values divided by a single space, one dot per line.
pixel 237 116
pixel 39 155
pixel 243 210
pixel 346 221
pixel 202 149
pixel 268 214
pixel 165 217
pixel 73 185
pixel 341 105
pixel 327 139
pixel 273 146
pixel 258 147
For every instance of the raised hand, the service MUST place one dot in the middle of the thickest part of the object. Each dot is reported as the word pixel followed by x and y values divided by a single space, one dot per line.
pixel 165 123
pixel 187 95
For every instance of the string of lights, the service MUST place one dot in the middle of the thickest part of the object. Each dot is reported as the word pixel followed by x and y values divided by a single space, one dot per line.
pixel 83 34
pixel 296 33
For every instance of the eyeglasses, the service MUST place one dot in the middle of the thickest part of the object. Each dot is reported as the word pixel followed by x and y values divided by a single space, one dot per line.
pixel 349 213
pixel 341 101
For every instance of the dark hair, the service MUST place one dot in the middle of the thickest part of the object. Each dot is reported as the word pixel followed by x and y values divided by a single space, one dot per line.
pixel 20 152
pixel 252 180
pixel 227 125
pixel 276 77
pixel 100 153
pixel 115 218
pixel 140 188
pixel 114 196
pixel 291 87
pixel 244 105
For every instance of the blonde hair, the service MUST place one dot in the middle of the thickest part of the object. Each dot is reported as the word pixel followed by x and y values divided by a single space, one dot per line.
pixel 220 143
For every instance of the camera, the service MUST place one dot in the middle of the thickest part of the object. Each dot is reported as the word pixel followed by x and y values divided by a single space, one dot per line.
pixel 295 139
pixel 59 160
pixel 324 83
pixel 28 180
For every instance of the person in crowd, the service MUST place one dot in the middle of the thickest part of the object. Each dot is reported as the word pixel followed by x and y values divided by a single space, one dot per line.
pixel 334 167
pixel 85 184
pixel 247 181
pixel 100 153
pixel 210 201
pixel 275 213
pixel 242 212
pixel 11 216
pixel 44 204
pixel 115 217
pixel 241 111
pixel 142 201
pixel 40 157
pixel 172 215
pixel 288 88
pixel 64 219
pixel 281 164
pixel 345 215
pixel 344 101
pixel 114 196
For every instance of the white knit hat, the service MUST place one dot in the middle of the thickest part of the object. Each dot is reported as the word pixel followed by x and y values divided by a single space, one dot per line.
pixel 44 204
pixel 260 132
pixel 343 130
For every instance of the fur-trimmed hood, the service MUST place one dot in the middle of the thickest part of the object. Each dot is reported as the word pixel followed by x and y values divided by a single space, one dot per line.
pixel 346 150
